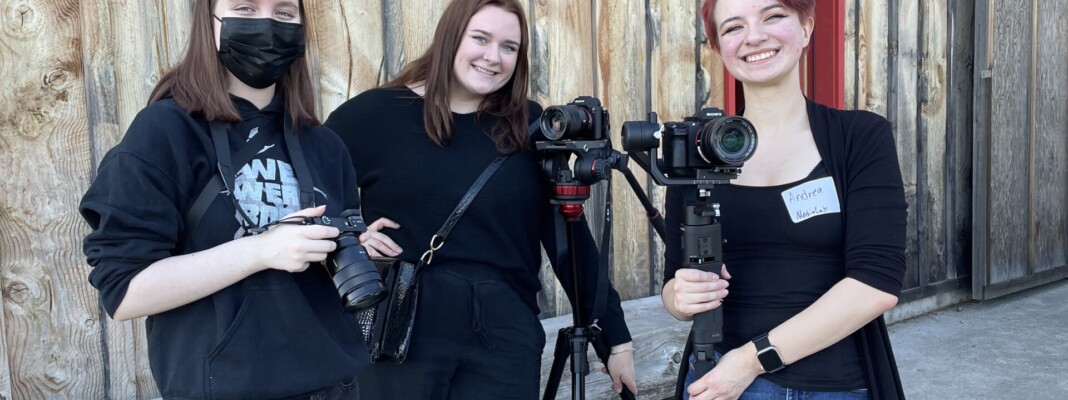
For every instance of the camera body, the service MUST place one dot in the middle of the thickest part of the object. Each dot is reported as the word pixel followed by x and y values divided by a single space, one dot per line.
pixel 582 119
pixel 708 145
pixel 696 143
pixel 355 276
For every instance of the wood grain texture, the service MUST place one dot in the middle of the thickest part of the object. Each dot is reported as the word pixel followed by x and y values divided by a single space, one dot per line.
pixel 932 156
pixel 562 68
pixel 1010 141
pixel 345 50
pixel 982 74
pixel 136 42
pixel 959 108
pixel 1050 161
pixel 673 61
pixel 419 19
pixel 709 70
pixel 622 75
pixel 52 336
pixel 658 343
pixel 872 53
pixel 902 113
pixel 852 34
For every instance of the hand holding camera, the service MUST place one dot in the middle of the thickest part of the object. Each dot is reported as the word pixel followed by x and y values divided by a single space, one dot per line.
pixel 305 237
pixel 292 248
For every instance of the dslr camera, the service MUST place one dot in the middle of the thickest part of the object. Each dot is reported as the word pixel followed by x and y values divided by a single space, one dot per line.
pixel 708 145
pixel 578 128
pixel 582 119
pixel 357 279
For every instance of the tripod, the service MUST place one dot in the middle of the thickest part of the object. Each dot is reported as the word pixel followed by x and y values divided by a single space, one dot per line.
pixel 570 191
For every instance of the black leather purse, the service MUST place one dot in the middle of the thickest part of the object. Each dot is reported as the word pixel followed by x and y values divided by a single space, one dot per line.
pixel 387 327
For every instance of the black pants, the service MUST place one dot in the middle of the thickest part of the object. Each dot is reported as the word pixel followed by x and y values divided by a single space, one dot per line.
pixel 473 339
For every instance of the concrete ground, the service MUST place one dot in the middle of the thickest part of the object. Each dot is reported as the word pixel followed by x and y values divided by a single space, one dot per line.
pixel 1014 347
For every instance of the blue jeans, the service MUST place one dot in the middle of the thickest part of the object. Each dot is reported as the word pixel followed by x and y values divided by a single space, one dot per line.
pixel 763 389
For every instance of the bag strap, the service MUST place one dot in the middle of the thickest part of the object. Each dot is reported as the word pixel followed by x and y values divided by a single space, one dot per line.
pixel 215 185
pixel 438 239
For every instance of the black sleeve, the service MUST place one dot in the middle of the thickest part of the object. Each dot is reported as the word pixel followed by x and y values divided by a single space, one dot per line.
pixel 132 209
pixel 875 212
pixel 673 209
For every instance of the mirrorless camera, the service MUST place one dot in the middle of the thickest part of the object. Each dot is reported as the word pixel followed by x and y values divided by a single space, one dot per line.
pixel 706 142
pixel 355 276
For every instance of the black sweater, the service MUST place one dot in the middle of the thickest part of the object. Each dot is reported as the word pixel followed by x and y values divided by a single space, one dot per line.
pixel 779 268
pixel 273 334
pixel 404 176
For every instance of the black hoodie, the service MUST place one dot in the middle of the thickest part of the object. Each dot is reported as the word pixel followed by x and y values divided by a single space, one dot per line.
pixel 273 334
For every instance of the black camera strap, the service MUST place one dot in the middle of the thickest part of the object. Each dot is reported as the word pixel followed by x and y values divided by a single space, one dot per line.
pixel 225 178
pixel 210 192
pixel 438 239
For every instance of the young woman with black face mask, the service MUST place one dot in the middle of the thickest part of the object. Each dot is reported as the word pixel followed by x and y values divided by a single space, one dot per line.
pixel 231 314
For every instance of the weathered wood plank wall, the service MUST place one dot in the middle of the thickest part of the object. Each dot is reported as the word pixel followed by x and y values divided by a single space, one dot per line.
pixel 1021 184
pixel 73 75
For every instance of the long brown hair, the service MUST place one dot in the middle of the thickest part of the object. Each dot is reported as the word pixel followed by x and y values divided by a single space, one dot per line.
pixel 435 69
pixel 199 84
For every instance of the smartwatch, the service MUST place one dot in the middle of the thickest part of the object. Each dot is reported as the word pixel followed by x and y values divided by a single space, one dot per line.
pixel 767 354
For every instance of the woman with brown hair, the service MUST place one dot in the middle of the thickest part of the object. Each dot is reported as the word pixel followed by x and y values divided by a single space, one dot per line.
pixel 230 314
pixel 418 143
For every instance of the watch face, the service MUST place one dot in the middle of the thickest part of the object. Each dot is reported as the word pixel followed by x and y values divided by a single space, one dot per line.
pixel 769 359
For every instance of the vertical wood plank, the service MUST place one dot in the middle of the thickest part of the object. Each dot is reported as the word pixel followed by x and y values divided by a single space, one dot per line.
pixel 673 69
pixel 1050 160
pixel 852 40
pixel 118 367
pixel 562 56
pixel 872 53
pixel 981 119
pixel 345 49
pixel 1010 142
pixel 959 110
pixel 932 144
pixel 419 19
pixel 709 69
pixel 623 74
pixel 138 42
pixel 902 114
pixel 52 337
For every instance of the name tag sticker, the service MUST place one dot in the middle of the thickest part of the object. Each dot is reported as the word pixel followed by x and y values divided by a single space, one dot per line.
pixel 811 198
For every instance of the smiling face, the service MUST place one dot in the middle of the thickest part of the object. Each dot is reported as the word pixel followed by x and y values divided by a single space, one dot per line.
pixel 486 57
pixel 760 41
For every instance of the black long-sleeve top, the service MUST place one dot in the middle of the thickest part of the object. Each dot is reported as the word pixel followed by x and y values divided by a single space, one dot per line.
pixel 404 176
pixel 779 267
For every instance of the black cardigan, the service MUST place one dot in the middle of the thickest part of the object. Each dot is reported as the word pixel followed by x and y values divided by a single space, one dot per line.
pixel 846 153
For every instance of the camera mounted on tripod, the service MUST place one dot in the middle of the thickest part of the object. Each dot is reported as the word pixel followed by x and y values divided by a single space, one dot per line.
pixel 580 128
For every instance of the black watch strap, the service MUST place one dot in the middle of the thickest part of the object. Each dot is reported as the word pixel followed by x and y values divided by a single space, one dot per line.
pixel 767 354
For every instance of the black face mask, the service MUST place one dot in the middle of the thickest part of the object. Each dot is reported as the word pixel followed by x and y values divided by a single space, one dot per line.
pixel 258 51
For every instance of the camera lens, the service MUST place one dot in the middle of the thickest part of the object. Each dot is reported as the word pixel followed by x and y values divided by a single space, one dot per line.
pixel 355 275
pixel 640 135
pixel 727 141
pixel 565 122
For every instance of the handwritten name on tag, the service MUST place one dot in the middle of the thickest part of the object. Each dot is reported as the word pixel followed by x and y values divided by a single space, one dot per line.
pixel 811 198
